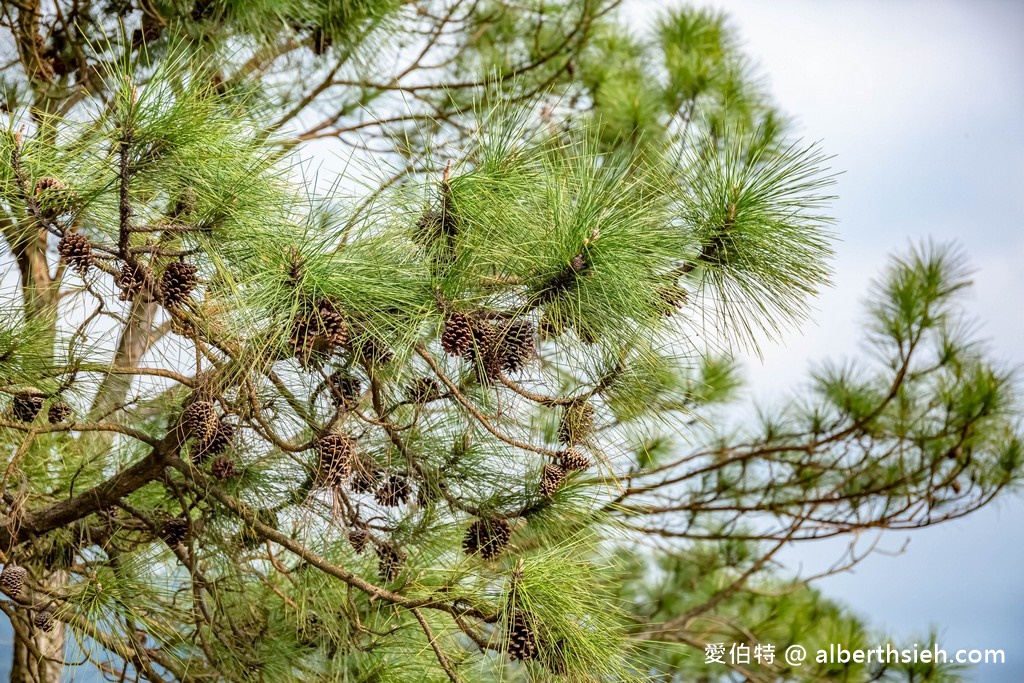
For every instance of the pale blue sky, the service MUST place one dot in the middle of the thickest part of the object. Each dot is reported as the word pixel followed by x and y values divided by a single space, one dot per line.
pixel 923 105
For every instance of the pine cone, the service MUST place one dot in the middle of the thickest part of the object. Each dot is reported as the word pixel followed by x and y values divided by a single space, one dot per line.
pixel 374 351
pixel 48 183
pixel 303 337
pixel 12 578
pixel 366 477
pixel 672 298
pixel 577 422
pixel 389 562
pixel 516 345
pixel 520 640
pixel 573 460
pixel 551 480
pixel 359 538
pixel 174 530
pixel 437 223
pixel 53 198
pixel 201 420
pixel 486 351
pixel 345 389
pixel 177 283
pixel 43 620
pixel 485 338
pixel 27 406
pixel 487 537
pixel 457 337
pixel 428 227
pixel 222 438
pixel 335 452
pixel 394 491
pixel 76 251
pixel 58 412
pixel 332 324
pixel 132 280
pixel 223 467
pixel 423 390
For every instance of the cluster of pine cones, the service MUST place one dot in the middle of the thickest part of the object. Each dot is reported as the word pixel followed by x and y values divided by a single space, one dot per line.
pixel 338 464
pixel 177 282
pixel 575 428
pixel 12 580
pixel 337 459
pixel 212 436
pixel 390 559
pixel 495 349
pixel 27 405
pixel 320 330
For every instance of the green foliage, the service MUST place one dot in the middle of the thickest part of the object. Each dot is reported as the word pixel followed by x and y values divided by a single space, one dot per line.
pixel 757 216
pixel 290 408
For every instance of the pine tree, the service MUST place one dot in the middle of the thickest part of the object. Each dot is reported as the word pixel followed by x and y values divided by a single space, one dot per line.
pixel 476 369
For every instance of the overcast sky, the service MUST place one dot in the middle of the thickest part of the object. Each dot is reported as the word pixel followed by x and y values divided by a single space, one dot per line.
pixel 923 105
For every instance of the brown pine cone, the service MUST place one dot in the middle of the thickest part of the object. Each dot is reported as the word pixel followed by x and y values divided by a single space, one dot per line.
pixel 223 467
pixel 520 640
pixel 58 412
pixel 577 422
pixel 457 337
pixel 132 280
pixel 423 390
pixel 487 537
pixel 335 452
pixel 516 345
pixel 177 283
pixel 359 538
pixel 201 420
pixel 573 460
pixel 221 440
pixel 389 562
pixel 345 389
pixel 76 251
pixel 551 480
pixel 332 324
pixel 394 491
pixel 43 620
pixel 12 579
pixel 174 530
pixel 27 405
